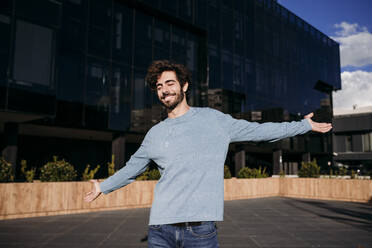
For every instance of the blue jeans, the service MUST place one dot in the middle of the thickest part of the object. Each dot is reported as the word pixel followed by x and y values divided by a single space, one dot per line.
pixel 164 236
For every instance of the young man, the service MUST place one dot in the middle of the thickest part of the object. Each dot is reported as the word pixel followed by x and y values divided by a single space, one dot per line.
pixel 190 148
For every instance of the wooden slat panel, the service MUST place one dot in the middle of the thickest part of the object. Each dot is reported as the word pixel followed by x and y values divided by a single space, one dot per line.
pixel 39 199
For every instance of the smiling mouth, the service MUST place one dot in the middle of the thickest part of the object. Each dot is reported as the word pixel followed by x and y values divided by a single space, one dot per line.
pixel 167 97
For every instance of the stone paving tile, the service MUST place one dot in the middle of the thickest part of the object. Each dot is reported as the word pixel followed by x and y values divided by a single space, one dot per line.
pixel 266 222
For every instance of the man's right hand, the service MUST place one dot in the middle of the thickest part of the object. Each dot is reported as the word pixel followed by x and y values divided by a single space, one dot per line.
pixel 94 193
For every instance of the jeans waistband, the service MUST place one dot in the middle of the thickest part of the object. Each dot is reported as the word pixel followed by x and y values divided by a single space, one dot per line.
pixel 186 224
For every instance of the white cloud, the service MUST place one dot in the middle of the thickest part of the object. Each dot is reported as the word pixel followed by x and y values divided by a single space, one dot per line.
pixel 356 89
pixel 355 44
pixel 348 29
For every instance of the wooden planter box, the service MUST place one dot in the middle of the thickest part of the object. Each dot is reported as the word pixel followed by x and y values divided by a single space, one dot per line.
pixel 19 200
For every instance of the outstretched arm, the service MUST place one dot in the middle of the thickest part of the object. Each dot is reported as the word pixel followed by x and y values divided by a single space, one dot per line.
pixel 135 166
pixel 242 130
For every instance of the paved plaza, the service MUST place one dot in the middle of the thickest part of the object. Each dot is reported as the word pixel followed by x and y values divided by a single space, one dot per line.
pixel 264 222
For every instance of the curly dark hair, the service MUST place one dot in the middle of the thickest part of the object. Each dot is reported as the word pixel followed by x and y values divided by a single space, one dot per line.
pixel 159 66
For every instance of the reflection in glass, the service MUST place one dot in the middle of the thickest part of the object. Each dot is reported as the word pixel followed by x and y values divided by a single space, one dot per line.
pixel 161 40
pixel 97 85
pixel 73 28
pixel 348 143
pixel 191 53
pixel 33 54
pixel 185 9
pixel 214 68
pixel 367 142
pixel 71 81
pixel 143 28
pixel 227 31
pixel 178 44
pixel 227 70
pixel 120 92
pixel 161 34
pixel 4 47
pixel 122 34
pixel 139 90
pixel 99 28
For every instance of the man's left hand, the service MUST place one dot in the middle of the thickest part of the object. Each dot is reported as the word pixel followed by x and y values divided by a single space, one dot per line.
pixel 316 126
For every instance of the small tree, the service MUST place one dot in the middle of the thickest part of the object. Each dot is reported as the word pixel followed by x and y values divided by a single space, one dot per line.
pixel 309 169
pixel 89 174
pixel 226 173
pixel 149 174
pixel 247 172
pixel 154 174
pixel 353 174
pixel 261 173
pixel 6 171
pixel 342 171
pixel 28 174
pixel 57 171
pixel 111 166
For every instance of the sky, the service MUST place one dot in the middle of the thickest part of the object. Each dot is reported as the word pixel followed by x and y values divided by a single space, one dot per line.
pixel 349 22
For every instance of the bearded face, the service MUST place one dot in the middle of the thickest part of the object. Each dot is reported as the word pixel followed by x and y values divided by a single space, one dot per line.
pixel 169 90
pixel 171 100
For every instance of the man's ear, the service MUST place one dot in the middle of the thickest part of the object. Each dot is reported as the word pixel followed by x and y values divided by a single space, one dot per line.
pixel 185 86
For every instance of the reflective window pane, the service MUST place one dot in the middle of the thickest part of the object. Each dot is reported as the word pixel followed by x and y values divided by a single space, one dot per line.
pixel 214 69
pixel 33 54
pixel 73 29
pixel 143 42
pixel 227 70
pixel 97 86
pixel 4 47
pixel 120 92
pixel 100 14
pixel 122 34
pixel 40 11
pixel 71 77
pixel 97 98
pixel 186 9
pixel 6 6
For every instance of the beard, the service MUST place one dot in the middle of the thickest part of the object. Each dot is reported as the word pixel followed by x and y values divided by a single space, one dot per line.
pixel 170 105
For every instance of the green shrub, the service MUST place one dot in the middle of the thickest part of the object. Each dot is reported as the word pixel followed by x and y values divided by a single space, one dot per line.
pixel 111 166
pixel 353 174
pixel 309 169
pixel 28 174
pixel 226 172
pixel 247 172
pixel 89 174
pixel 342 171
pixel 154 174
pixel 6 171
pixel 57 171
pixel 149 174
pixel 282 173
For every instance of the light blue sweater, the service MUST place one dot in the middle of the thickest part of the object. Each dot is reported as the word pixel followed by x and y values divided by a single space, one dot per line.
pixel 190 151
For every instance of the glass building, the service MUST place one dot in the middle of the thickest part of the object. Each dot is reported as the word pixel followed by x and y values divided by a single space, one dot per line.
pixel 72 75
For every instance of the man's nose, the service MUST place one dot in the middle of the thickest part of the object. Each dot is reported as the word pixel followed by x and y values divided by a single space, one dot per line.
pixel 165 90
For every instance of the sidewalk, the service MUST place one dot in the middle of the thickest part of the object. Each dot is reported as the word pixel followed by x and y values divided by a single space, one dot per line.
pixel 264 222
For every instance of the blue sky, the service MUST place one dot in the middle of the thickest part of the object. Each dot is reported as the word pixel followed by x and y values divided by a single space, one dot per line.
pixel 323 14
pixel 349 22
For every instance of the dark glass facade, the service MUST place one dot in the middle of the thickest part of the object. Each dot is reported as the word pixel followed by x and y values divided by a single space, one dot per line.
pixel 74 70
pixel 352 140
